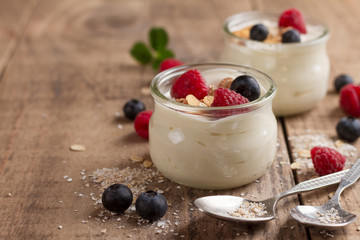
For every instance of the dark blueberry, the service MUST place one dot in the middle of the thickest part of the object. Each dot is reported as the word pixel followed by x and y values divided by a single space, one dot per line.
pixel 342 80
pixel 132 108
pixel 291 36
pixel 259 32
pixel 117 198
pixel 247 86
pixel 151 205
pixel 348 128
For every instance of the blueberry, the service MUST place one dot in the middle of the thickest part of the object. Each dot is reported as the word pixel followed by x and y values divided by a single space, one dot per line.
pixel 247 86
pixel 259 32
pixel 348 128
pixel 132 108
pixel 151 205
pixel 342 80
pixel 117 198
pixel 291 36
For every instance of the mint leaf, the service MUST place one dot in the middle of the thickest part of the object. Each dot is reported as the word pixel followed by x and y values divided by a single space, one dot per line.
pixel 161 56
pixel 141 53
pixel 158 38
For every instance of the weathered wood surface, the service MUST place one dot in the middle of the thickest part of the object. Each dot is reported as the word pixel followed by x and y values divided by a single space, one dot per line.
pixel 66 71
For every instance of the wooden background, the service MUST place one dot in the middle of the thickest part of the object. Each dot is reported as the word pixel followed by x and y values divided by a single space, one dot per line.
pixel 65 70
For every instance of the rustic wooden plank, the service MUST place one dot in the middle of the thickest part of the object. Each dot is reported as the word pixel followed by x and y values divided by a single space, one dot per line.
pixel 70 74
pixel 340 17
pixel 15 16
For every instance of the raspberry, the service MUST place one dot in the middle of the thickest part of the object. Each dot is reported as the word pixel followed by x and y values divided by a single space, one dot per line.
pixel 226 97
pixel 293 18
pixel 169 63
pixel 350 99
pixel 190 82
pixel 141 124
pixel 327 160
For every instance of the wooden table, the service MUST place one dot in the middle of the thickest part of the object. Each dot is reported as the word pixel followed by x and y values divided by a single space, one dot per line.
pixel 65 70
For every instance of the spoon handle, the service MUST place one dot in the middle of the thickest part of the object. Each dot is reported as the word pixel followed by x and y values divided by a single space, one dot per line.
pixel 350 178
pixel 315 183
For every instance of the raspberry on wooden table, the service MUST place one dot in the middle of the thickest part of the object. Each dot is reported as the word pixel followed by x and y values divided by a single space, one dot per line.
pixel 141 124
pixel 350 99
pixel 327 160
pixel 190 82
pixel 170 63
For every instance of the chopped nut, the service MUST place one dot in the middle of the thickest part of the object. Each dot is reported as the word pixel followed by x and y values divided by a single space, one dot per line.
pixel 147 163
pixel 192 100
pixel 225 83
pixel 295 165
pixel 77 148
pixel 211 91
pixel 304 153
pixel 182 100
pixel 330 195
pixel 135 158
pixel 338 143
pixel 208 100
pixel 103 231
pixel 145 91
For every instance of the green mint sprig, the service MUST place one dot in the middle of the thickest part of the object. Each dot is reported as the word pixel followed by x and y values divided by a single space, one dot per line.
pixel 158 39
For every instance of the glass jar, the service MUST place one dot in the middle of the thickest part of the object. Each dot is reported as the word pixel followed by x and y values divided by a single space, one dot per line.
pixel 300 70
pixel 212 147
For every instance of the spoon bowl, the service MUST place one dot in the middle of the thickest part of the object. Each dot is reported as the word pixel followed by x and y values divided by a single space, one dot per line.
pixel 309 216
pixel 222 206
pixel 330 215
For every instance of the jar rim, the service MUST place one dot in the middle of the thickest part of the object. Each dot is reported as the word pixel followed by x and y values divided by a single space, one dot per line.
pixel 324 36
pixel 176 71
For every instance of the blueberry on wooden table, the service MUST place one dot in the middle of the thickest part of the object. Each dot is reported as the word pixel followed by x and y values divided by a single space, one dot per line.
pixel 132 108
pixel 348 128
pixel 342 80
pixel 151 205
pixel 117 198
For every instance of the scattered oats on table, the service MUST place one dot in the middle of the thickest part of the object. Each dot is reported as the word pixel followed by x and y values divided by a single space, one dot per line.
pixel 77 148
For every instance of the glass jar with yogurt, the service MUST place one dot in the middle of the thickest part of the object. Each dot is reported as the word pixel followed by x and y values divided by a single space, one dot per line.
pixel 212 147
pixel 300 70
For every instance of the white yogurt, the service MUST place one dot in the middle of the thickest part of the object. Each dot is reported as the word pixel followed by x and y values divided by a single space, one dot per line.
pixel 192 146
pixel 300 70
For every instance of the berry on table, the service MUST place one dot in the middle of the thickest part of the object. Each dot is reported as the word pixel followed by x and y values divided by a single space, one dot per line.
pixel 341 81
pixel 151 205
pixel 348 128
pixel 247 86
pixel 293 18
pixel 132 108
pixel 117 198
pixel 327 160
pixel 350 99
pixel 226 97
pixel 291 36
pixel 141 124
pixel 259 32
pixel 190 82
pixel 170 63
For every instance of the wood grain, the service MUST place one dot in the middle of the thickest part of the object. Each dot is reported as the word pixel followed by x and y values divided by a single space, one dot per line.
pixel 67 71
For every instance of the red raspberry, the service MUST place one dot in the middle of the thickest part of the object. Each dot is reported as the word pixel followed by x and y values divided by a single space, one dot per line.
pixel 327 160
pixel 169 63
pixel 350 99
pixel 226 97
pixel 141 124
pixel 191 82
pixel 293 18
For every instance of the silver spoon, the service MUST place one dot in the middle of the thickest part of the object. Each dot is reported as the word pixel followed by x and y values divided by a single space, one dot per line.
pixel 221 206
pixel 329 215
